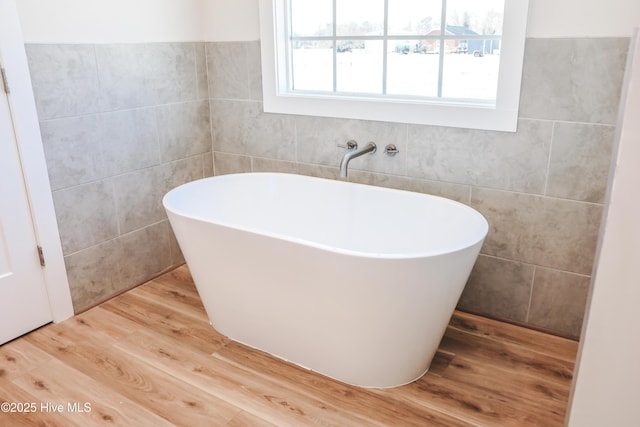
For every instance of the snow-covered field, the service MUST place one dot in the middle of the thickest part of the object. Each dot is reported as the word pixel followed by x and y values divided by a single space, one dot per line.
pixel 360 71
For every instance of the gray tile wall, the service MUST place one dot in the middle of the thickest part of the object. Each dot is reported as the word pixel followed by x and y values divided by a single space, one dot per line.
pixel 121 125
pixel 541 188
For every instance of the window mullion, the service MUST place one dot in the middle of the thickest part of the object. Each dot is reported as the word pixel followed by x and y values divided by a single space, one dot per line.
pixel 443 30
pixel 288 46
pixel 385 43
pixel 335 49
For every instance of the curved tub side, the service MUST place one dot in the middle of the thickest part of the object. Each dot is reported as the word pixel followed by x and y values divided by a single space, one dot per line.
pixel 365 321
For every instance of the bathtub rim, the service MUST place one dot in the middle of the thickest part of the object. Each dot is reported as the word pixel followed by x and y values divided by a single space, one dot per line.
pixel 349 252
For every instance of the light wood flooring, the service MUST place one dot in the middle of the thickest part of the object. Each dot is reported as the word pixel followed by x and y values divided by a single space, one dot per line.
pixel 150 358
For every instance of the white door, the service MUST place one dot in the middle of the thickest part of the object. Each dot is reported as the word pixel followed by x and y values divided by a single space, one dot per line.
pixel 24 303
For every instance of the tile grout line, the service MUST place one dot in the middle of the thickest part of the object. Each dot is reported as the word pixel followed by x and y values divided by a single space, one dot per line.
pixel 548 171
pixel 533 281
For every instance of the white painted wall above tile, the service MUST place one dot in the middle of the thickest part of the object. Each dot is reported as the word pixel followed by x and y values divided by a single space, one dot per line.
pixel 582 18
pixel 238 20
pixel 123 21
pixel 111 21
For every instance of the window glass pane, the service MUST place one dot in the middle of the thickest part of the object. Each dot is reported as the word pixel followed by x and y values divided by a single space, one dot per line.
pixel 472 17
pixel 312 64
pixel 361 69
pixel 414 16
pixel 412 68
pixel 310 53
pixel 312 18
pixel 359 17
pixel 471 69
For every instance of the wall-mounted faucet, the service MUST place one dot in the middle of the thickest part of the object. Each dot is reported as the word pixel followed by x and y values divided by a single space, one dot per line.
pixel 352 153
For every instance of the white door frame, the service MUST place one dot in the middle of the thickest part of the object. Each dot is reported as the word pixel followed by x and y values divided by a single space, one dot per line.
pixel 27 131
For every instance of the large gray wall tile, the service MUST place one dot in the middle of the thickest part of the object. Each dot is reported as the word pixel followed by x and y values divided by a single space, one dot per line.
pixel 129 140
pixel 228 70
pixel 64 78
pixel 558 301
pixel 241 127
pixel 74 150
pixel 510 161
pixel 182 171
pixel 86 148
pixel 573 79
pixel 184 130
pixel 86 215
pixel 499 288
pixel 137 75
pixel 539 230
pixel 139 194
pixel 145 252
pixel 94 273
pixel 580 161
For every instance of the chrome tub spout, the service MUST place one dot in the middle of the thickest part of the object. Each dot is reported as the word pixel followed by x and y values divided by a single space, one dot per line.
pixel 352 153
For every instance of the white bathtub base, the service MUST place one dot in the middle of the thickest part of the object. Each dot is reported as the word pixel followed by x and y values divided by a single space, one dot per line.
pixel 366 319
pixel 325 374
pixel 376 326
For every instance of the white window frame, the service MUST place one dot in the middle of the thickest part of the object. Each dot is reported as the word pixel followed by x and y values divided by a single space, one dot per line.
pixel 502 116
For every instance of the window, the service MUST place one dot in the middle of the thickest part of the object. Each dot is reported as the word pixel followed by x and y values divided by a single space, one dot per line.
pixel 441 62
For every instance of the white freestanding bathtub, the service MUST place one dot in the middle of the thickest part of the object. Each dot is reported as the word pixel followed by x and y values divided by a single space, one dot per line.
pixel 352 281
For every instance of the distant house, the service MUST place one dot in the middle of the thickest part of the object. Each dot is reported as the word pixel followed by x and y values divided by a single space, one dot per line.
pixel 459 45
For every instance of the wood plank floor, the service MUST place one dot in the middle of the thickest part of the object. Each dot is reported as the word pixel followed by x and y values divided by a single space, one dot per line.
pixel 150 358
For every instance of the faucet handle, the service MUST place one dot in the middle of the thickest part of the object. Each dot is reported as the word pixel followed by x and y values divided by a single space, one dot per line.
pixel 391 150
pixel 350 145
